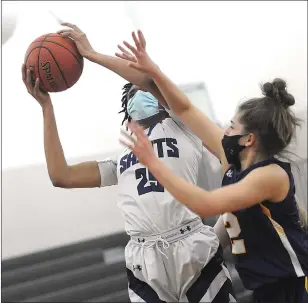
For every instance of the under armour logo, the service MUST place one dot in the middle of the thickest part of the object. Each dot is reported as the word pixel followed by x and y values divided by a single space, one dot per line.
pixel 141 240
pixel 137 267
pixel 232 152
pixel 229 173
pixel 183 230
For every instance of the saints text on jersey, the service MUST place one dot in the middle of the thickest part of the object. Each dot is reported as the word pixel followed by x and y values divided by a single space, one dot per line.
pixel 164 147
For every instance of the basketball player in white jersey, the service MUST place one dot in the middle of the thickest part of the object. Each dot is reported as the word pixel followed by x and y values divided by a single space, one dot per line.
pixel 172 256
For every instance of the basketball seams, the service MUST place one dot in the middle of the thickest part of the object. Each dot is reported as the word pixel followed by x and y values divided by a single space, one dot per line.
pixel 38 60
pixel 41 82
pixel 40 47
pixel 80 65
pixel 50 54
pixel 56 64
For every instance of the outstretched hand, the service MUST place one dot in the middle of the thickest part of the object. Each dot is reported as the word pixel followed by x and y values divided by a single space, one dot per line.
pixel 141 146
pixel 126 55
pixel 138 56
pixel 83 45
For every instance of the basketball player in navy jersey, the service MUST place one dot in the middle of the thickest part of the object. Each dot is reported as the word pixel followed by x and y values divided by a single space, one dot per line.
pixel 257 200
pixel 172 256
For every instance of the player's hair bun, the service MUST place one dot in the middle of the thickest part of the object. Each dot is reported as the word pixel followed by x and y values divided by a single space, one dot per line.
pixel 277 90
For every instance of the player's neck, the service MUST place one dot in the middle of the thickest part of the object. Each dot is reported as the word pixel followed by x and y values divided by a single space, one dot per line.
pixel 251 159
pixel 147 122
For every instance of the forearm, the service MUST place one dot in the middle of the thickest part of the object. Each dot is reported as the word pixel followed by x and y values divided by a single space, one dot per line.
pixel 120 67
pixel 175 98
pixel 188 194
pixel 56 163
pixel 263 184
pixel 194 118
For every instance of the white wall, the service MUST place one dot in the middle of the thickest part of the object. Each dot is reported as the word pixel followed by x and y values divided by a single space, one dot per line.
pixel 36 216
pixel 231 46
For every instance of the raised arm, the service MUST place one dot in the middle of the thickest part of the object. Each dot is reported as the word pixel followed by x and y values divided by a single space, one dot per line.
pixel 82 175
pixel 61 174
pixel 117 65
pixel 196 120
pixel 269 183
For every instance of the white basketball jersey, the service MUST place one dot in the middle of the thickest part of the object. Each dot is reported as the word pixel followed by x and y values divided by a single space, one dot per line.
pixel 146 206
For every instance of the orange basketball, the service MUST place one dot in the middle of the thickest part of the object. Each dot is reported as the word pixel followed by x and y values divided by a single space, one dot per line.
pixel 55 61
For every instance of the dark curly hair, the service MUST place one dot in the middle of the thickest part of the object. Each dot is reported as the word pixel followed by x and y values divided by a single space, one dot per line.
pixel 126 88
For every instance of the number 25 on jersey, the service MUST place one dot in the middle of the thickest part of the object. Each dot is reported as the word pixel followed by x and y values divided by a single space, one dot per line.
pixel 148 183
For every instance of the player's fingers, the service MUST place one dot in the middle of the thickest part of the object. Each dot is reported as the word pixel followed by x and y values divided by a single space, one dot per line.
pixel 120 56
pixel 131 48
pixel 128 136
pixel 135 125
pixel 126 57
pixel 130 146
pixel 123 56
pixel 70 25
pixel 36 87
pixel 141 39
pixel 69 34
pixel 23 73
pixel 137 130
pixel 62 31
pixel 137 43
pixel 135 66
pixel 122 49
pixel 29 81
pixel 133 59
pixel 125 52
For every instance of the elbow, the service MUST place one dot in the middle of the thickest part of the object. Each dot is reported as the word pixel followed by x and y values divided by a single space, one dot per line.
pixel 206 211
pixel 60 177
pixel 203 213
pixel 200 211
pixel 59 182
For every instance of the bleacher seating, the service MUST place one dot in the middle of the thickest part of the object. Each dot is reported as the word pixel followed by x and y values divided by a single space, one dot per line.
pixel 91 271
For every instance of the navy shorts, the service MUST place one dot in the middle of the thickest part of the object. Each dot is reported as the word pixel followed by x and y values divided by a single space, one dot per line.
pixel 288 290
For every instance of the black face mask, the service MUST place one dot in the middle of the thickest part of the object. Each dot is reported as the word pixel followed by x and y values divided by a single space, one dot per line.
pixel 232 149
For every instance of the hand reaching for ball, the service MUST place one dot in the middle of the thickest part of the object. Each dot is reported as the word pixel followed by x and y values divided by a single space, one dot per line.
pixel 33 86
pixel 83 45
pixel 138 56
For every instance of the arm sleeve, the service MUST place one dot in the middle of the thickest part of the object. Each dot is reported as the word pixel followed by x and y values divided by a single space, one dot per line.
pixel 108 171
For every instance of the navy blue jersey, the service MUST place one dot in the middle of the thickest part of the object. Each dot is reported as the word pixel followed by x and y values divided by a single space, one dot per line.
pixel 268 243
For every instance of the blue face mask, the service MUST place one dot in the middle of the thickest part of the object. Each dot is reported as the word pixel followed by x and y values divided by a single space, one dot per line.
pixel 142 105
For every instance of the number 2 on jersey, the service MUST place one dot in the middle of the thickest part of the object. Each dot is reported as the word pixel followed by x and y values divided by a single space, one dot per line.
pixel 233 228
pixel 146 177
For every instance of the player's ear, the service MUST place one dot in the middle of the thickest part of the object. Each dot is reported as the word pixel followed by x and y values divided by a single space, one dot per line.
pixel 250 139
